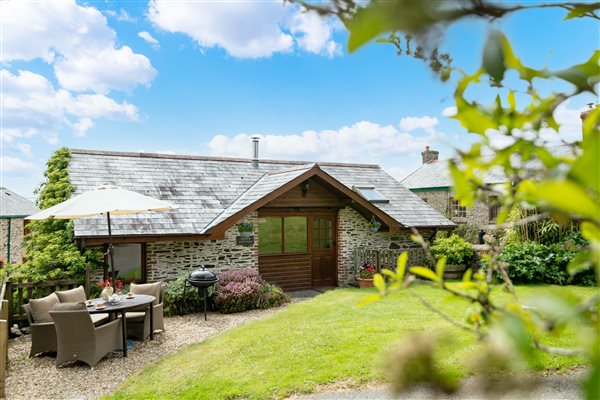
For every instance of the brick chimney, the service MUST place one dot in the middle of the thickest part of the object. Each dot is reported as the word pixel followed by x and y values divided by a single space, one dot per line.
pixel 429 155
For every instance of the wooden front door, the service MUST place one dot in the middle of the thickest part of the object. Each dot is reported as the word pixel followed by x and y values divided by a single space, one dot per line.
pixel 324 254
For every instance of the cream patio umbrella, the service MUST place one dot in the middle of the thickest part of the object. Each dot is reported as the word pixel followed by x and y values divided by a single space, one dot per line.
pixel 109 200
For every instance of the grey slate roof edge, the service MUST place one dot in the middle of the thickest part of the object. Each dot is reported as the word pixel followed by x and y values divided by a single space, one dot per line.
pixel 209 225
pixel 209 158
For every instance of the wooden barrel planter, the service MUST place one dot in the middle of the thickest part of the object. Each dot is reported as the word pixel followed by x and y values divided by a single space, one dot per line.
pixel 454 271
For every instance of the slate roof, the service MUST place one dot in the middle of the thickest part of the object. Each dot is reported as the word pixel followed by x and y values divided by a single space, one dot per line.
pixel 207 190
pixel 437 174
pixel 14 205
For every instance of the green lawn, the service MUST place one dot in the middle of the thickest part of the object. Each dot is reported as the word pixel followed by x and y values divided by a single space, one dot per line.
pixel 324 340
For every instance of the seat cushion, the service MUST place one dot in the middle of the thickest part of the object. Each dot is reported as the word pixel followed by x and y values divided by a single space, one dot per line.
pixel 98 319
pixel 135 316
pixel 72 296
pixel 151 289
pixel 40 308
pixel 71 306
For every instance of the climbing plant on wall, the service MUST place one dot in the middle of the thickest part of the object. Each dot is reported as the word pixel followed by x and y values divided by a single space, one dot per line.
pixel 50 248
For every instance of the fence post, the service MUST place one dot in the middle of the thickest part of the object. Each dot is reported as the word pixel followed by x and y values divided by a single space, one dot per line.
pixel 4 326
pixel 9 297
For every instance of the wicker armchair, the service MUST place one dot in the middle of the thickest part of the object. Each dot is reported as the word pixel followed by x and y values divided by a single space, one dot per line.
pixel 43 334
pixel 79 339
pixel 138 321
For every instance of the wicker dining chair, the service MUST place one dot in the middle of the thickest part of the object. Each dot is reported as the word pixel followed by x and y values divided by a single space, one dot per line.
pixel 138 321
pixel 78 338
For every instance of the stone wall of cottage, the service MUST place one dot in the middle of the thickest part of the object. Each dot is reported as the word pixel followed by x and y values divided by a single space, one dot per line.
pixel 169 260
pixel 16 240
pixel 354 232
pixel 478 215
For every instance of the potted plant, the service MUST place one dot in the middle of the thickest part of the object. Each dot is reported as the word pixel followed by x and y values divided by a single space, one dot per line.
pixel 458 252
pixel 365 275
pixel 245 228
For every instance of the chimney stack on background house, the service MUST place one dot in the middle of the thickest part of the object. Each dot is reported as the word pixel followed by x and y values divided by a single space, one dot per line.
pixel 255 140
pixel 429 155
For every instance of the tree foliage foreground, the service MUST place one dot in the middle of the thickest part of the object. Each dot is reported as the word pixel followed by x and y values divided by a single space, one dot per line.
pixel 564 187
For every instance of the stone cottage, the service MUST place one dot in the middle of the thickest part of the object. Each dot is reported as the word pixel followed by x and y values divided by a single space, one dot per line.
pixel 13 209
pixel 297 222
pixel 432 182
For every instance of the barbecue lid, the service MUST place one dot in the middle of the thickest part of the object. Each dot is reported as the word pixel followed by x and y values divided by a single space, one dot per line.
pixel 202 274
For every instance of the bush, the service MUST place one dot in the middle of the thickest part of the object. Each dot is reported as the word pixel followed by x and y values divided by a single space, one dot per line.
pixel 175 303
pixel 272 296
pixel 468 232
pixel 238 290
pixel 539 263
pixel 454 248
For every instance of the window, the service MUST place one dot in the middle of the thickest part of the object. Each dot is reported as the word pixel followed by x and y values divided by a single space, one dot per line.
pixel 278 235
pixel 322 236
pixel 129 262
pixel 371 194
pixel 493 208
pixel 455 210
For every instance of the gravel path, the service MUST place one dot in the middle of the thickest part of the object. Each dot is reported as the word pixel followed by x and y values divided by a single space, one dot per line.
pixel 38 377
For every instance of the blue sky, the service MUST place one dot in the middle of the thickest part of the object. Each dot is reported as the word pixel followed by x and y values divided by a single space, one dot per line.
pixel 201 77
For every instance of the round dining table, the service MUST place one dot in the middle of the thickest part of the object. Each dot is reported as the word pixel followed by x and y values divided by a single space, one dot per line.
pixel 126 304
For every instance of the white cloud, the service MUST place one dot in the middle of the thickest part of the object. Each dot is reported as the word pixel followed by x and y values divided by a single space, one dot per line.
pixel 569 130
pixel 77 41
pixel 316 34
pixel 364 141
pixel 449 111
pixel 16 165
pixel 31 105
pixel 151 40
pixel 122 15
pixel 246 29
pixel 411 123
pixel 81 127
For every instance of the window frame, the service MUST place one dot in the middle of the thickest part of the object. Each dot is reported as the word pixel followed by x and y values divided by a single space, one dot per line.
pixel 455 210
pixel 359 189
pixel 283 252
pixel 144 272
pixel 493 208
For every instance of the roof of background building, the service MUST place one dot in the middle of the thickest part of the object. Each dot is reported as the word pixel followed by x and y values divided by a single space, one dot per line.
pixel 208 190
pixel 437 173
pixel 14 205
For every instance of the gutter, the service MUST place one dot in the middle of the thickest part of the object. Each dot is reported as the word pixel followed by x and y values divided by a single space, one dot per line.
pixel 430 189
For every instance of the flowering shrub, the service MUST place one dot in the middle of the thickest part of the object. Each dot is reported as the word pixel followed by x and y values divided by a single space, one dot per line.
pixel 367 271
pixel 238 290
pixel 243 289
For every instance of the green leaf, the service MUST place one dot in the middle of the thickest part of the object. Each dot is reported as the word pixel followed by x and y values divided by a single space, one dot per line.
pixel 379 283
pixel 585 76
pixel 401 265
pixel 425 273
pixel 369 299
pixel 440 267
pixel 567 197
pixel 493 56
pixel 578 11
pixel 467 275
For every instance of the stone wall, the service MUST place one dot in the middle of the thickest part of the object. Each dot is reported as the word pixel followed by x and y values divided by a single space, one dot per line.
pixel 477 216
pixel 168 260
pixel 16 241
pixel 354 232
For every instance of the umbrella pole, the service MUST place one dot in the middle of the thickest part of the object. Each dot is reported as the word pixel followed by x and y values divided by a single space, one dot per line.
pixel 110 252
